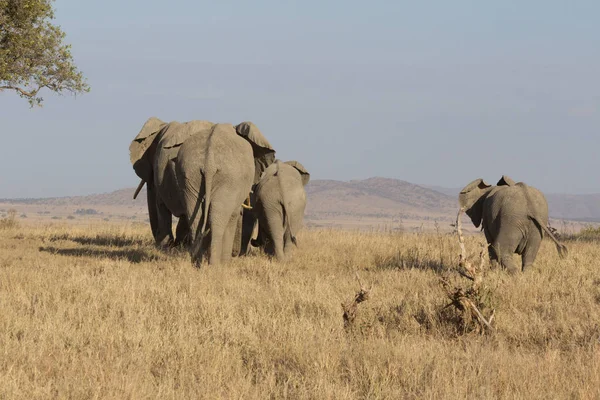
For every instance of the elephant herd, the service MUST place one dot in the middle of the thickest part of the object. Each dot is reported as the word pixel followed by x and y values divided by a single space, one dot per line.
pixel 221 180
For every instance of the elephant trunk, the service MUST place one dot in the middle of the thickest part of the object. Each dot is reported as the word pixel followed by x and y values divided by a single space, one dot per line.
pixel 139 189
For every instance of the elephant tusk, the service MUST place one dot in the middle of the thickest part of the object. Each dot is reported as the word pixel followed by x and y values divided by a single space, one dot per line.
pixel 247 206
pixel 139 189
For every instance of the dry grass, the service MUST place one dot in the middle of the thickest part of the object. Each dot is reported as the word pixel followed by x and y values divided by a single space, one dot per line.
pixel 96 312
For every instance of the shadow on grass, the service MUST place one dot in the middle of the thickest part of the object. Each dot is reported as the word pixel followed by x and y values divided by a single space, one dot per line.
pixel 102 240
pixel 132 255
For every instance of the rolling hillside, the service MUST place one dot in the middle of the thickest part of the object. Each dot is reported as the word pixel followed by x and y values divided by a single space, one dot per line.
pixel 358 203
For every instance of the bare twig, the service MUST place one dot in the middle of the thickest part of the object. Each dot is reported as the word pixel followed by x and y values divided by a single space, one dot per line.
pixel 350 307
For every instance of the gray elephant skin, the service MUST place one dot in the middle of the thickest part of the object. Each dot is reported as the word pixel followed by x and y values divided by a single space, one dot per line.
pixel 280 200
pixel 514 218
pixel 152 154
pixel 215 170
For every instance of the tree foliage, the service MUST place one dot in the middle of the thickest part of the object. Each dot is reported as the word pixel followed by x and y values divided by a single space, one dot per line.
pixel 32 53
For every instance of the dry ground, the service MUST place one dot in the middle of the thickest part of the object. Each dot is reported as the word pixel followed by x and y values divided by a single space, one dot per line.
pixel 96 312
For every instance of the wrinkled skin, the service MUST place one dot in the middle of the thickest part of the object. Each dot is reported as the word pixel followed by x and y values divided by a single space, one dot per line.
pixel 514 218
pixel 153 152
pixel 215 172
pixel 280 203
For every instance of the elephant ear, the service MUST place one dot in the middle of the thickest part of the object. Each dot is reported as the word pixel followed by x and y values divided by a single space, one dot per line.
pixel 303 172
pixel 260 144
pixel 505 181
pixel 471 199
pixel 177 133
pixel 144 139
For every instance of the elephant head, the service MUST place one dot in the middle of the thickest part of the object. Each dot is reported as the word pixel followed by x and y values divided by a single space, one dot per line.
pixel 264 154
pixel 471 199
pixel 300 168
pixel 142 149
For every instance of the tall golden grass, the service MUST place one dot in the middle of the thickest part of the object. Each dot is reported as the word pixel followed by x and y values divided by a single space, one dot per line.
pixel 96 312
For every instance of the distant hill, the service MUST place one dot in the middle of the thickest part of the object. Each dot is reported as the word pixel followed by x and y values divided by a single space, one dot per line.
pixel 578 207
pixel 121 197
pixel 373 199
pixel 376 197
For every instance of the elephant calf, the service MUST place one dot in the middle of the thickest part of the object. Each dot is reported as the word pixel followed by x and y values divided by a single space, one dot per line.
pixel 280 201
pixel 514 217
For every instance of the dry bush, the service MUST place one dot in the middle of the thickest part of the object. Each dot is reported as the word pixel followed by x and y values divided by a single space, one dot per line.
pixel 94 311
pixel 10 220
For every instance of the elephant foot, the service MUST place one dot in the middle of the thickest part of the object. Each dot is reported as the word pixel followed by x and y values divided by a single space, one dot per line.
pixel 527 267
pixel 494 264
pixel 510 266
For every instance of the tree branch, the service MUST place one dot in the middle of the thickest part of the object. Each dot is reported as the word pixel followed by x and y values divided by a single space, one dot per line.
pixel 23 92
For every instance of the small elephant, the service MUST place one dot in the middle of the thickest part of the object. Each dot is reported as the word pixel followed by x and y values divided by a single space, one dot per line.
pixel 514 218
pixel 280 201
pixel 152 154
pixel 215 173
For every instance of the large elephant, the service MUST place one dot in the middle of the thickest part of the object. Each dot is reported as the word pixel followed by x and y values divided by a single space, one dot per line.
pixel 279 206
pixel 514 218
pixel 152 155
pixel 215 172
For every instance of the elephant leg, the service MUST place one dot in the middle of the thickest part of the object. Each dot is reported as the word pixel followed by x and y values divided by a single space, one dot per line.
pixel 530 252
pixel 288 245
pixel 195 219
pixel 494 260
pixel 182 234
pixel 505 246
pixel 152 213
pixel 248 221
pixel 507 261
pixel 237 239
pixel 231 234
pixel 164 234
pixel 277 235
pixel 218 225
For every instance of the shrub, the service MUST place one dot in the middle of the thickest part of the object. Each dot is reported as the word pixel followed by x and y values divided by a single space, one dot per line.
pixel 86 211
pixel 10 220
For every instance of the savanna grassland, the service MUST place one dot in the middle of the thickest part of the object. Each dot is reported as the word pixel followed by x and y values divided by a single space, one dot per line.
pixel 97 312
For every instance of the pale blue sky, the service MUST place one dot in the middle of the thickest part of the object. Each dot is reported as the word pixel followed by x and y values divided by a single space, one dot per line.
pixel 430 92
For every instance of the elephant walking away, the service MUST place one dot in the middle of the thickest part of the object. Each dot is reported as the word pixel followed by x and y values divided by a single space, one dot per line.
pixel 215 172
pixel 152 154
pixel 514 218
pixel 279 207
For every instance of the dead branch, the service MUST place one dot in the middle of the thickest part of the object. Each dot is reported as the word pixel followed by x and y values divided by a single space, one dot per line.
pixel 466 268
pixel 466 301
pixel 350 307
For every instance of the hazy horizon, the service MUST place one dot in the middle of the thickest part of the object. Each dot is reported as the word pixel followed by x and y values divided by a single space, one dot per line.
pixel 435 96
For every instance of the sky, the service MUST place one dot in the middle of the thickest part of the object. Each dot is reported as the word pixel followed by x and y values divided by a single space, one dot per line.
pixel 435 92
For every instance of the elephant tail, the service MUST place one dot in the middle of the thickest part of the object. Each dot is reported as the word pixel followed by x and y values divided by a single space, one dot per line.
pixel 208 173
pixel 563 251
pixel 207 190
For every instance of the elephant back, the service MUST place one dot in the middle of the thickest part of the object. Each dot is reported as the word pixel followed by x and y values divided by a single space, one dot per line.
pixel 537 204
pixel 220 148
pixel 177 133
